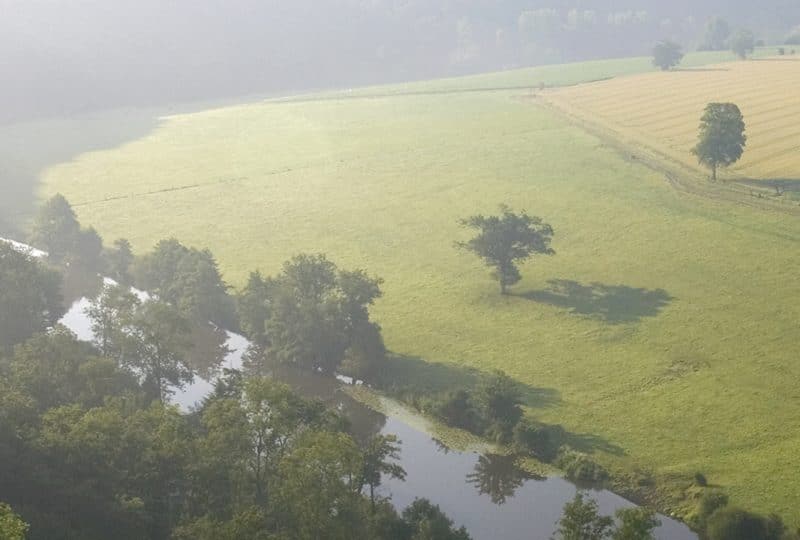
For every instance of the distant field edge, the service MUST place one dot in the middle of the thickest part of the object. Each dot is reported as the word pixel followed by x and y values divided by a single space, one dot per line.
pixel 520 78
pixel 680 176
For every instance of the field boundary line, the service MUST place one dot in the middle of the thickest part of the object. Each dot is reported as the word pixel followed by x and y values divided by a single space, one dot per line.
pixel 677 174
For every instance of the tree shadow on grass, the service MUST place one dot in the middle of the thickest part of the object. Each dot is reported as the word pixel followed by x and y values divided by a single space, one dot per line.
pixel 430 378
pixel 589 443
pixel 613 304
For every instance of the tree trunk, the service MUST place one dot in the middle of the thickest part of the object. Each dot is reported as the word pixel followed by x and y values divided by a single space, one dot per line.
pixel 714 172
pixel 372 498
pixel 503 290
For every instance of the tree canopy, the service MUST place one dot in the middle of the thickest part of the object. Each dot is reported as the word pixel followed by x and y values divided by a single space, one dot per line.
pixel 743 43
pixel 314 315
pixel 505 240
pixel 667 54
pixel 30 296
pixel 721 139
pixel 187 278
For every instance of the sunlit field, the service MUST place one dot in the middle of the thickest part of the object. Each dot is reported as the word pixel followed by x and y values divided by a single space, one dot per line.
pixel 663 110
pixel 665 328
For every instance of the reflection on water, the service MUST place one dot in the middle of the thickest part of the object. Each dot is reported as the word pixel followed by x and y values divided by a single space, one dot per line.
pixel 488 493
pixel 498 477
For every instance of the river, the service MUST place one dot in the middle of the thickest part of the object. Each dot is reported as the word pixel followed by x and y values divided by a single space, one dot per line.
pixel 487 493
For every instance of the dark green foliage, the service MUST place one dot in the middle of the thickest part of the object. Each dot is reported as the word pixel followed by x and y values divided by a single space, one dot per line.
pixel 189 279
pixel 709 503
pixel 499 396
pixel 56 369
pixel 635 524
pixel 667 54
pixel 721 139
pixel 743 43
pixel 426 521
pixel 542 440
pixel 506 240
pixel 57 231
pixel 253 307
pixel 732 523
pixel 314 316
pixel 458 409
pixel 580 468
pixel 88 249
pixel 86 452
pixel 700 479
pixel 151 337
pixel 582 521
pixel 55 228
pixel 119 260
pixel 378 456
pixel 366 354
pixel 30 298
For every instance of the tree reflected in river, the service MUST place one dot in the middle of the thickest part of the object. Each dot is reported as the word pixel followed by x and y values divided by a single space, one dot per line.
pixel 498 476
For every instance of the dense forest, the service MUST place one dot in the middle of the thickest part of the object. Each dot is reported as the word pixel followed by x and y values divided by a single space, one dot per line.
pixel 157 53
pixel 90 443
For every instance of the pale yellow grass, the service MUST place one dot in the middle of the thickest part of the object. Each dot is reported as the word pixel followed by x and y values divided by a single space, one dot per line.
pixel 662 111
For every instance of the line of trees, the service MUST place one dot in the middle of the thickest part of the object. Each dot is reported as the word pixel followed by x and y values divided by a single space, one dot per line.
pixel 89 444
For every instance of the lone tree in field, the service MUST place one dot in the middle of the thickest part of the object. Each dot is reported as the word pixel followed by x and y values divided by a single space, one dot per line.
pixel 667 54
pixel 722 139
pixel 743 43
pixel 505 240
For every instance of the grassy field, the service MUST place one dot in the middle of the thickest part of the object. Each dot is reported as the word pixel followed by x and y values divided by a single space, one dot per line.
pixel 665 329
pixel 663 110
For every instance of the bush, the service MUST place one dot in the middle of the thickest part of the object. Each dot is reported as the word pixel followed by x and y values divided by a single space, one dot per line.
pixel 457 409
pixel 580 468
pixel 709 503
pixel 736 524
pixel 700 479
pixel 542 440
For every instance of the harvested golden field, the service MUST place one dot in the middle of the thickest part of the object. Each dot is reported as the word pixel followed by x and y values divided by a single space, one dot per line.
pixel 662 111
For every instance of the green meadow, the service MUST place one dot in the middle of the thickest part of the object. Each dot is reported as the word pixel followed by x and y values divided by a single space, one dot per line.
pixel 665 329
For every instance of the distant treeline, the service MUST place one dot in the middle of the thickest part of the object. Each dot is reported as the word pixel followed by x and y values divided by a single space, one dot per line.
pixel 58 57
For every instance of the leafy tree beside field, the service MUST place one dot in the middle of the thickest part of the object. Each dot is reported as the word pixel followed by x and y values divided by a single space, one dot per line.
pixel 722 138
pixel 743 43
pixel 717 32
pixel 667 54
pixel 314 315
pixel 506 240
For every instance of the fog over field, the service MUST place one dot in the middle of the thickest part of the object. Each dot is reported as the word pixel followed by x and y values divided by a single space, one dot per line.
pixel 399 269
pixel 59 56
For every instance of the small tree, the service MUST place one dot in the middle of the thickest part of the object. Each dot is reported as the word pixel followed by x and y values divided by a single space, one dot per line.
pixel 505 240
pixel 743 43
pixel 55 228
pixel 722 139
pixel 582 521
pixel 119 259
pixel 635 524
pixel 161 336
pixel 500 398
pixel 667 54
pixel 378 461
